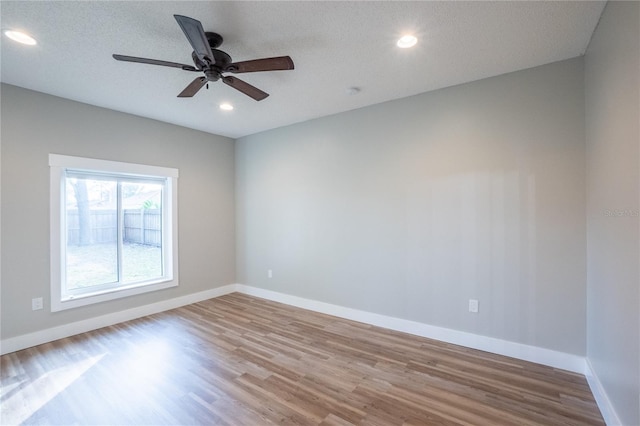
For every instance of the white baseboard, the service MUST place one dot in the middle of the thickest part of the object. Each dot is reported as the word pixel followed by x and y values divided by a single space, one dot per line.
pixel 602 399
pixel 48 335
pixel 535 354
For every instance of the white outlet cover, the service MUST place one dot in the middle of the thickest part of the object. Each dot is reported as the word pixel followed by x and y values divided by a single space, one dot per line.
pixel 36 304
pixel 473 305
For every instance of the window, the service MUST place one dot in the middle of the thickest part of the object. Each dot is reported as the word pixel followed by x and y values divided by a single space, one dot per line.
pixel 113 230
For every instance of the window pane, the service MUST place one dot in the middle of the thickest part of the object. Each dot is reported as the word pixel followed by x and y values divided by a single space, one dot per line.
pixel 142 233
pixel 92 233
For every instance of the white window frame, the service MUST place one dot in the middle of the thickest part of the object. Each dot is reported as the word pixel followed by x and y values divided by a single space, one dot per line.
pixel 58 165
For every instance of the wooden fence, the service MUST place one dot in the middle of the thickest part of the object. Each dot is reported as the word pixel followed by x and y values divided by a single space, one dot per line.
pixel 141 226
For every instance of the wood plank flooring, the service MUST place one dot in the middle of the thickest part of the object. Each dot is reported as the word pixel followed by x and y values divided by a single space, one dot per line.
pixel 240 360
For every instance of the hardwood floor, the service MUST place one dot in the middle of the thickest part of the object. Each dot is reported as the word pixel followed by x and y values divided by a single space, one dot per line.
pixel 241 360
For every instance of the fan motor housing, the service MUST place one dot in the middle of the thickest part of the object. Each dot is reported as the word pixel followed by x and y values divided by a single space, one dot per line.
pixel 222 58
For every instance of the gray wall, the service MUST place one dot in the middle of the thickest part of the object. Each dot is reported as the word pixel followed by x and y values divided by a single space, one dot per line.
pixel 34 125
pixel 612 71
pixel 411 207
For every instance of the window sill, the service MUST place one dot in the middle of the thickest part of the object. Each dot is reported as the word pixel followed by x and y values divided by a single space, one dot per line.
pixel 75 301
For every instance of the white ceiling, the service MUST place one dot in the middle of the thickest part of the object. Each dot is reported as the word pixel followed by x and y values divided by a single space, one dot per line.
pixel 335 46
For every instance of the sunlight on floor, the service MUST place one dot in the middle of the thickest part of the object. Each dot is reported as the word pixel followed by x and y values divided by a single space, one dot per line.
pixel 146 361
pixel 19 403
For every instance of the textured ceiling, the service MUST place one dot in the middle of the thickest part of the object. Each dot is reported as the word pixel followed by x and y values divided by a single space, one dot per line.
pixel 335 45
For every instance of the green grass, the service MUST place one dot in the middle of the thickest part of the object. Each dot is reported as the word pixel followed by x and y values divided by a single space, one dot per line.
pixel 95 264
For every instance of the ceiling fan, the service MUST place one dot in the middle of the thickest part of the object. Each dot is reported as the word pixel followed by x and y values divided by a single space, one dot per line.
pixel 213 62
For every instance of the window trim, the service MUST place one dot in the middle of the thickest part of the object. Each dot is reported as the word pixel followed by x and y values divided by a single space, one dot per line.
pixel 58 165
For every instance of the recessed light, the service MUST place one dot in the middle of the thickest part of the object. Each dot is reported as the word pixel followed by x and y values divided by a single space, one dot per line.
pixel 226 107
pixel 20 37
pixel 407 41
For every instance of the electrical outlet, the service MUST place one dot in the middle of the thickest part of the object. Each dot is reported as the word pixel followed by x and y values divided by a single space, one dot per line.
pixel 473 306
pixel 36 304
pixel 270 273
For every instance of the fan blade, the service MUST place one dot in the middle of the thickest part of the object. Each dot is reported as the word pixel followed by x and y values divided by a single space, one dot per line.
pixel 154 62
pixel 267 64
pixel 194 32
pixel 193 87
pixel 245 88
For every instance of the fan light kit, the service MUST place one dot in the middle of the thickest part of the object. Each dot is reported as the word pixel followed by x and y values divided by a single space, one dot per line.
pixel 226 107
pixel 407 41
pixel 213 62
pixel 20 37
